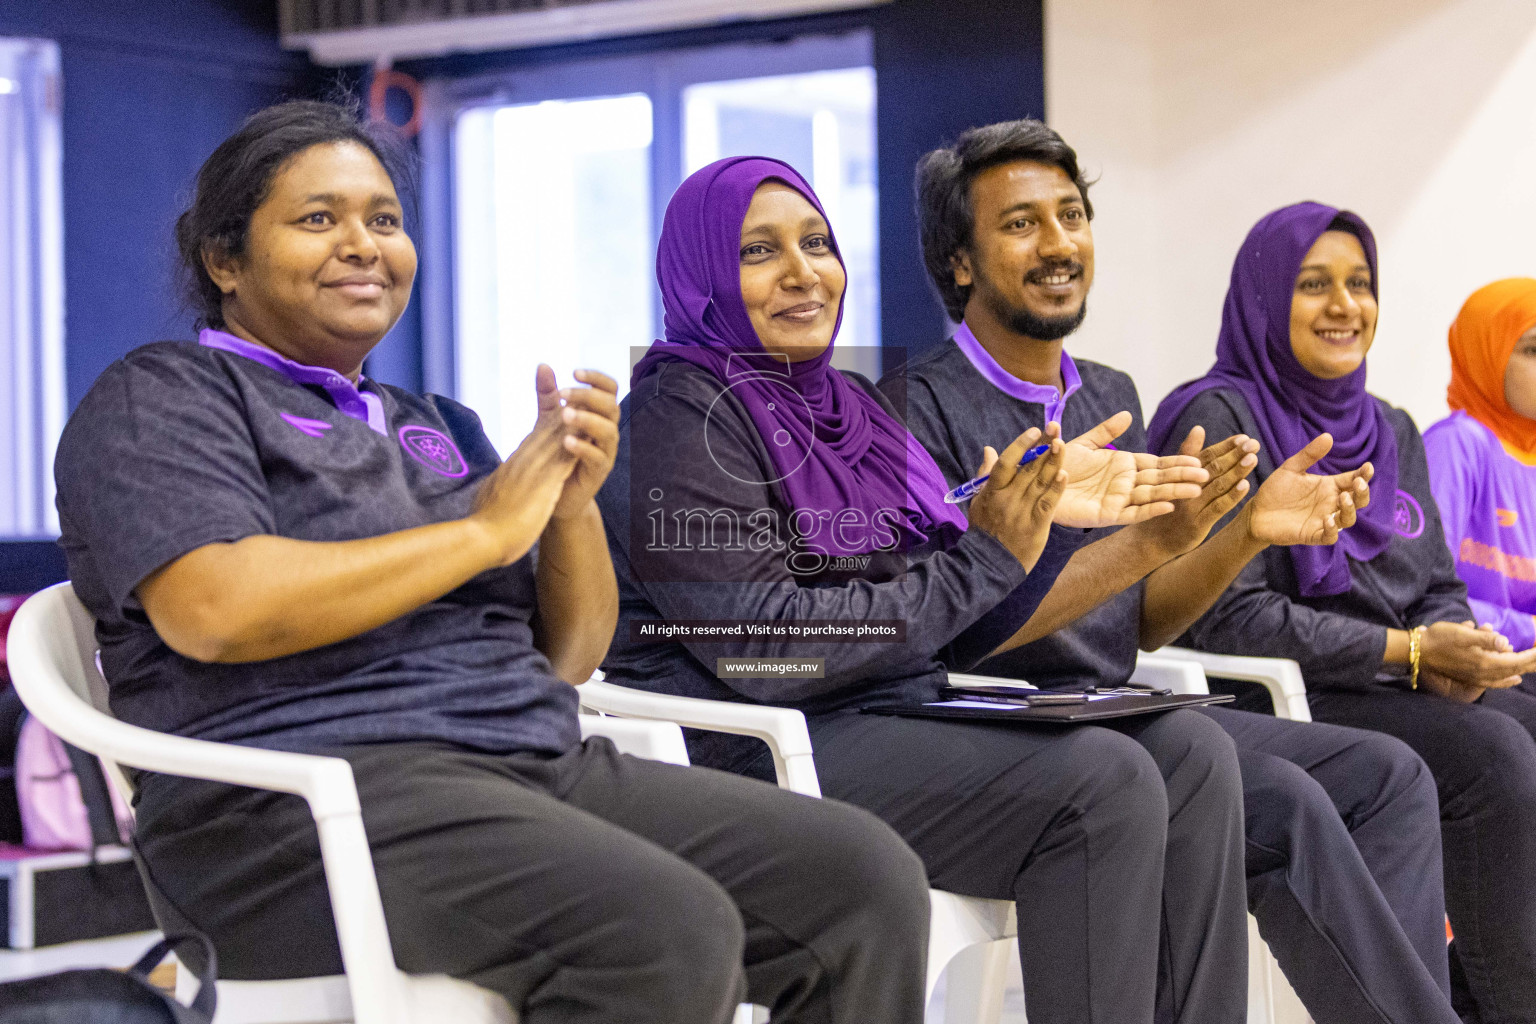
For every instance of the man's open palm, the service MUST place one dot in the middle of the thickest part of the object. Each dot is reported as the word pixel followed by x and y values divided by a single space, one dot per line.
pixel 1108 487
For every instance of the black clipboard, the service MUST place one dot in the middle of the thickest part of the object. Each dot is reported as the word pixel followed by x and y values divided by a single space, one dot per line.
pixel 1117 705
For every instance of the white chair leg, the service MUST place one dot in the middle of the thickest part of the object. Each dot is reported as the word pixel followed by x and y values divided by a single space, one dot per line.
pixel 1262 972
pixel 1288 1007
pixel 974 983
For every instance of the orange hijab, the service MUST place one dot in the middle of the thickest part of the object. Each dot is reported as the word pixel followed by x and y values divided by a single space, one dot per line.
pixel 1482 339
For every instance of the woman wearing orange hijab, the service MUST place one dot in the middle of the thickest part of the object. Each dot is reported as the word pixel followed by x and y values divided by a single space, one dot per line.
pixel 1482 458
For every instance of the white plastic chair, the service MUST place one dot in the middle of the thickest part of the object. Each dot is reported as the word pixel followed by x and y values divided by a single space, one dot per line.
pixel 1280 676
pixel 969 935
pixel 51 655
pixel 1271 1000
pixel 973 937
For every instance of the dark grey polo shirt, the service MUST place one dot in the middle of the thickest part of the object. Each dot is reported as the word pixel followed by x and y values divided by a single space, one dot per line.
pixel 956 411
pixel 179 445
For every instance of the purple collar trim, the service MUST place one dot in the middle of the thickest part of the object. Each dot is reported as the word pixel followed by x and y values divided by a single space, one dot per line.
pixel 360 405
pixel 1055 402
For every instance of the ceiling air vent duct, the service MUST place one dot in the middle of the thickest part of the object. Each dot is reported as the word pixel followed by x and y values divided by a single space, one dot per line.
pixel 364 31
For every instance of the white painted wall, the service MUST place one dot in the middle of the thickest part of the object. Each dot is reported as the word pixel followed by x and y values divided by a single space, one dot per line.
pixel 1199 116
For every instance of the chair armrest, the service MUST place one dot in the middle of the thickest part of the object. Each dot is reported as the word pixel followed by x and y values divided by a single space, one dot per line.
pixel 39 653
pixel 654 741
pixel 1177 674
pixel 326 784
pixel 1280 676
pixel 36 653
pixel 783 729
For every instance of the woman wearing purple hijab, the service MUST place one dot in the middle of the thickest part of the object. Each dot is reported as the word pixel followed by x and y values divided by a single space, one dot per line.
pixel 1379 622
pixel 761 493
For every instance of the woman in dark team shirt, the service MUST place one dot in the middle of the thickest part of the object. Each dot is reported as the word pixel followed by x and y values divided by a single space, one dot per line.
pixel 1379 623
pixel 758 489
pixel 282 553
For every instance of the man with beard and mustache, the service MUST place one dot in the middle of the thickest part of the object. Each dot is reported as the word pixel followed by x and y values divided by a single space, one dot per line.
pixel 1342 845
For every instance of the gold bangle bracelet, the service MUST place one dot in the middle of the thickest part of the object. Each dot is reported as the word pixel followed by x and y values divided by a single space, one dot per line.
pixel 1415 645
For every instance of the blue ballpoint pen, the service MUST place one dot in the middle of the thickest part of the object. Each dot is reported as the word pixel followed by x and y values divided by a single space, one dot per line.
pixel 968 489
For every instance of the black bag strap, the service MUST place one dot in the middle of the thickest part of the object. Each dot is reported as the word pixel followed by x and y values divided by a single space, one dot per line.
pixel 168 913
pixel 96 796
pixel 207 998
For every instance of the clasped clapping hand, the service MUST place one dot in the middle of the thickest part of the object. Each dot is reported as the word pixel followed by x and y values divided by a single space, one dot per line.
pixel 1460 660
pixel 589 425
pixel 558 468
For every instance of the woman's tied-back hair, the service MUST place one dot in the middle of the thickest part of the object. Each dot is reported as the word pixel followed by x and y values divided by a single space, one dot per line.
pixel 946 220
pixel 238 177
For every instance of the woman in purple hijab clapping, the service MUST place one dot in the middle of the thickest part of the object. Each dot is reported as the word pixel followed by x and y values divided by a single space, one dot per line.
pixel 780 538
pixel 1379 622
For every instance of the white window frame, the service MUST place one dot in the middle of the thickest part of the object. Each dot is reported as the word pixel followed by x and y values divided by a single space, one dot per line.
pixel 662 76
pixel 32 388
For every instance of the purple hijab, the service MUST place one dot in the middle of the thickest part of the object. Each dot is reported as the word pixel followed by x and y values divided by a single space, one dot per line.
pixel 1253 357
pixel 833 447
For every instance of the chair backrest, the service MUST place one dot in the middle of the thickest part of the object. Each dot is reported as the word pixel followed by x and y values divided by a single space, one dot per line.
pixel 52 651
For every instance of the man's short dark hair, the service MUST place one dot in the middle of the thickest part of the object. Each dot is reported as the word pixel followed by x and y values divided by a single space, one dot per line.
pixel 946 220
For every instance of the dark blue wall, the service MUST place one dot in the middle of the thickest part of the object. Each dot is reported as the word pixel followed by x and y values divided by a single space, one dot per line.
pixel 150 88
pixel 27 566
pixel 942 66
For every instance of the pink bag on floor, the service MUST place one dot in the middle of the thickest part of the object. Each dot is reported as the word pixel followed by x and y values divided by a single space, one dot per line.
pixel 53 811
